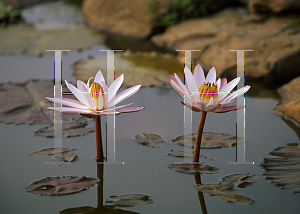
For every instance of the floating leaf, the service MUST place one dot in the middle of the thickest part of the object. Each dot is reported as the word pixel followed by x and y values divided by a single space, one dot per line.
pixel 138 69
pixel 99 210
pixel 61 185
pixel 149 140
pixel 193 168
pixel 225 189
pixel 26 103
pixel 69 129
pixel 185 154
pixel 284 170
pixel 65 157
pixel 209 140
pixel 52 151
pixel 131 200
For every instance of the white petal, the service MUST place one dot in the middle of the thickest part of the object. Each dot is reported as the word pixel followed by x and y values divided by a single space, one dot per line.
pixel 187 95
pixel 99 77
pixel 118 107
pixel 227 88
pixel 112 90
pixel 68 102
pixel 70 110
pixel 211 76
pixel 177 88
pixel 77 93
pixel 236 94
pixel 123 95
pixel 88 99
pixel 80 83
pixel 218 84
pixel 199 76
pixel 189 79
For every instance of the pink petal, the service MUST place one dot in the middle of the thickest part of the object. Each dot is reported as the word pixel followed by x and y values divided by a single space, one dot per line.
pixel 123 95
pixel 175 85
pixel 199 76
pixel 191 107
pixel 223 83
pixel 188 78
pixel 112 90
pixel 99 77
pixel 68 102
pixel 88 99
pixel 228 108
pixel 130 109
pixel 70 110
pixel 211 76
pixel 77 93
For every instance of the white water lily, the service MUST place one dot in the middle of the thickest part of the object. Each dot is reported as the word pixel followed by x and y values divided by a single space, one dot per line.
pixel 206 94
pixel 96 100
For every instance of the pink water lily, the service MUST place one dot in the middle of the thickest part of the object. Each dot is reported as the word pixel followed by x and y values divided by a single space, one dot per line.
pixel 207 94
pixel 97 100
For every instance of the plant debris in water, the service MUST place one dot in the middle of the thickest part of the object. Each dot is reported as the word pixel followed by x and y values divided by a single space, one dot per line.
pixel 284 169
pixel 131 200
pixel 149 140
pixel 193 168
pixel 147 70
pixel 61 185
pixel 52 151
pixel 69 129
pixel 210 140
pixel 225 189
pixel 177 153
pixel 26 103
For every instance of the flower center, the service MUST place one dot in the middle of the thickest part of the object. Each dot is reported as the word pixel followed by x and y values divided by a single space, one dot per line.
pixel 97 89
pixel 207 91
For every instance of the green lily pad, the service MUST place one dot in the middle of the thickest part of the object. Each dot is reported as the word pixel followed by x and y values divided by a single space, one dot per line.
pixel 69 129
pixel 65 157
pixel 284 168
pixel 147 70
pixel 52 151
pixel 193 168
pixel 149 140
pixel 26 103
pixel 225 189
pixel 210 140
pixel 131 200
pixel 177 153
pixel 61 185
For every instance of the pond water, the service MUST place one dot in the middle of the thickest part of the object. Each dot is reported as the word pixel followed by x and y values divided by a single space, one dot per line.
pixel 145 170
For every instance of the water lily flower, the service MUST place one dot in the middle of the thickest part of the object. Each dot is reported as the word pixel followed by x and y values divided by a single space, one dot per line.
pixel 206 95
pixel 96 100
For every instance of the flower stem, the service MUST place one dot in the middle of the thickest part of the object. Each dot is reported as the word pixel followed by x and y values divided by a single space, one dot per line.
pixel 199 138
pixel 99 147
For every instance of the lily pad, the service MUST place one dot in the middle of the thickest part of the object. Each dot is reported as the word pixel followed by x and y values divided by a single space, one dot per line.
pixel 149 140
pixel 147 70
pixel 193 168
pixel 284 169
pixel 130 200
pixel 26 103
pixel 210 140
pixel 52 151
pixel 65 157
pixel 225 189
pixel 69 129
pixel 177 153
pixel 61 185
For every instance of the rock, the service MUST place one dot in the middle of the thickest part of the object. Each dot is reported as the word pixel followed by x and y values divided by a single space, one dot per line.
pixel 126 17
pixel 289 107
pixel 17 4
pixel 275 47
pixel 274 6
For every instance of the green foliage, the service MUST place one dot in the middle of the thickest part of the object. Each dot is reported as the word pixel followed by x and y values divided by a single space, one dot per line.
pixel 5 11
pixel 179 10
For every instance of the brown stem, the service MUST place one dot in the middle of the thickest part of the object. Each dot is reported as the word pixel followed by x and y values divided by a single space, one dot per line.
pixel 100 170
pixel 99 147
pixel 199 138
pixel 200 194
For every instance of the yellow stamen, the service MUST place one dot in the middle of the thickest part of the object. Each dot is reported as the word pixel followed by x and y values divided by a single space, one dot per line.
pixel 96 89
pixel 207 91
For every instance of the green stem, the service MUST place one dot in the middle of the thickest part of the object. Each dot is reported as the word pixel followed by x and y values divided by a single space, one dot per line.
pixel 199 138
pixel 99 147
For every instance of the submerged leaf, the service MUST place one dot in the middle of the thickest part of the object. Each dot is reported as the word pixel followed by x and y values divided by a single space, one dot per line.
pixel 26 103
pixel 130 200
pixel 52 151
pixel 209 140
pixel 225 189
pixel 69 129
pixel 65 157
pixel 61 185
pixel 185 154
pixel 284 170
pixel 149 140
pixel 143 69
pixel 193 168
